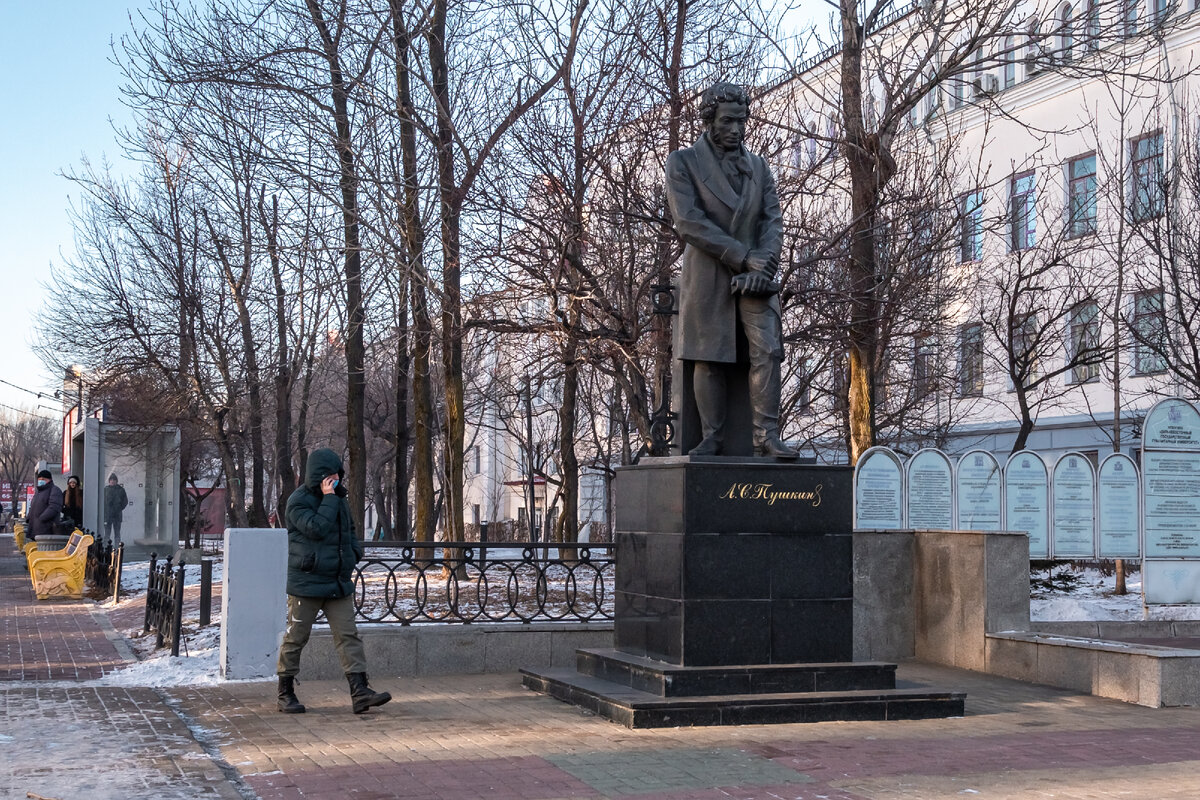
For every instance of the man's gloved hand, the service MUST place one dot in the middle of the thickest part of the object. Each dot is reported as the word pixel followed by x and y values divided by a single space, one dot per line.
pixel 754 284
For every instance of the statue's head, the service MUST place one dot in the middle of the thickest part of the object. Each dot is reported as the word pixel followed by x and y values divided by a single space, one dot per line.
pixel 724 108
pixel 721 93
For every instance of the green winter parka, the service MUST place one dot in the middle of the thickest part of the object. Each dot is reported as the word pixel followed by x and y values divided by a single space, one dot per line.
pixel 322 547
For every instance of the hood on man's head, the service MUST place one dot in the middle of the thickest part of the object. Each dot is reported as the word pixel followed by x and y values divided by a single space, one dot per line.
pixel 322 463
pixel 112 477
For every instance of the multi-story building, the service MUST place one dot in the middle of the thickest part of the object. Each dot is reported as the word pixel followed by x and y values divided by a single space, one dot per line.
pixel 1037 242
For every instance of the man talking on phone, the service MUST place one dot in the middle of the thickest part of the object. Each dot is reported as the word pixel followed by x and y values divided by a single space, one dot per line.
pixel 322 552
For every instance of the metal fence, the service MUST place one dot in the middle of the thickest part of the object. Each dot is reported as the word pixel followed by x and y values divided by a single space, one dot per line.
pixel 103 570
pixel 164 603
pixel 473 582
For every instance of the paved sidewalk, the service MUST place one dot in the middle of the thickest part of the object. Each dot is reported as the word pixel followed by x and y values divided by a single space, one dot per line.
pixel 484 736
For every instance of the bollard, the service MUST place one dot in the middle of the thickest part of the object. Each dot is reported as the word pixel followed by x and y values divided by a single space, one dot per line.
pixel 206 568
pixel 118 563
pixel 177 611
pixel 150 590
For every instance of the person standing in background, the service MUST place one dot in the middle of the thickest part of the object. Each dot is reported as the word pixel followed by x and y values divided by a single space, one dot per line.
pixel 43 510
pixel 73 500
pixel 115 500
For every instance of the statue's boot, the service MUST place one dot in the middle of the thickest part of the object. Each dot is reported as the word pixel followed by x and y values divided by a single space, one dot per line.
pixel 764 400
pixel 708 386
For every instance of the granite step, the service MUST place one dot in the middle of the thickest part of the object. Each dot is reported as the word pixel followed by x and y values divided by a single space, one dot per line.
pixel 634 708
pixel 669 680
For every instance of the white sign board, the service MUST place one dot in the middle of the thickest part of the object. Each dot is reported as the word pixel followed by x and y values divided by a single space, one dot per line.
pixel 1027 500
pixel 1118 509
pixel 879 491
pixel 1073 519
pixel 978 482
pixel 930 491
pixel 1171 503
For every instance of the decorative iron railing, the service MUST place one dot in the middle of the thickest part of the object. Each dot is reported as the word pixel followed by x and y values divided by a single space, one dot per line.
pixel 164 603
pixel 470 582
pixel 103 568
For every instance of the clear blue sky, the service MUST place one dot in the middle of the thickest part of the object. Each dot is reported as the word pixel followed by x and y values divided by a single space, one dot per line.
pixel 61 93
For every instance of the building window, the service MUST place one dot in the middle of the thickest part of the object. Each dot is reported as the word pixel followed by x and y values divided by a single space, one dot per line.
pixel 1085 342
pixel 1129 17
pixel 924 351
pixel 970 360
pixel 970 235
pixel 1146 196
pixel 1066 33
pixel 1081 196
pixel 1149 332
pixel 1026 333
pixel 1160 10
pixel 475 455
pixel 1009 73
pixel 1092 34
pixel 1022 211
pixel 804 403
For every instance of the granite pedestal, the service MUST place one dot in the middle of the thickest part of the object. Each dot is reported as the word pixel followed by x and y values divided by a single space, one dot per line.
pixel 734 603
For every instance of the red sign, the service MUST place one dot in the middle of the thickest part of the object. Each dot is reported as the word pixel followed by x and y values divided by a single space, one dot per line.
pixel 6 491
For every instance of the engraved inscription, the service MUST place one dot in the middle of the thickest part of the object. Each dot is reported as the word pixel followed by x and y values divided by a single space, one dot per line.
pixel 766 492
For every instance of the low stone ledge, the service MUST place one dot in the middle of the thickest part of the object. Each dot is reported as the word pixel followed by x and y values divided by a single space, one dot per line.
pixel 416 650
pixel 1148 675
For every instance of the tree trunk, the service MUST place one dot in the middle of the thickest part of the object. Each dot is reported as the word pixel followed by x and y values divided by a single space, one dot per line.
pixel 356 382
pixel 452 330
pixel 425 522
pixel 285 471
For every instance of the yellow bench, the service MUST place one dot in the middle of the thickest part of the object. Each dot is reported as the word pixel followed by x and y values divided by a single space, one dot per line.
pixel 19 534
pixel 59 573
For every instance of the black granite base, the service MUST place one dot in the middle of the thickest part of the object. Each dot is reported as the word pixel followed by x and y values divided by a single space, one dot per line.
pixel 668 680
pixel 637 709
pixel 734 604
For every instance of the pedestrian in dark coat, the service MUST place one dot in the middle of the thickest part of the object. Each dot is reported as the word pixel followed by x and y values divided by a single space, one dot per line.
pixel 44 508
pixel 115 501
pixel 322 552
pixel 73 500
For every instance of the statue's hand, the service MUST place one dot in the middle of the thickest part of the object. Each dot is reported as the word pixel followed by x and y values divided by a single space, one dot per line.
pixel 754 283
pixel 762 261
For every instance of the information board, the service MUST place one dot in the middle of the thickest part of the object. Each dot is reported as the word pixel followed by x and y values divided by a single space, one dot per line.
pixel 1172 504
pixel 1027 500
pixel 1117 494
pixel 1073 527
pixel 879 490
pixel 978 482
pixel 930 491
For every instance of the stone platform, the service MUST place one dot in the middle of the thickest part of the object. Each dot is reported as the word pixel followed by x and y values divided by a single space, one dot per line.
pixel 734 603
pixel 640 692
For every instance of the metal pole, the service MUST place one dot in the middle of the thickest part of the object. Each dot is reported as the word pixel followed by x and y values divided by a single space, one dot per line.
pixel 482 543
pixel 205 591
pixel 150 587
pixel 177 611
pixel 119 557
pixel 533 536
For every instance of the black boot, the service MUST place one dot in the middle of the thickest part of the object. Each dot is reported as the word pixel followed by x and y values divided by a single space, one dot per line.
pixel 288 702
pixel 362 695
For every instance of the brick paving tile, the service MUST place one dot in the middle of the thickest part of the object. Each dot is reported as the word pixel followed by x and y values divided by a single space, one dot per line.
pixel 47 639
pixel 474 736
pixel 102 743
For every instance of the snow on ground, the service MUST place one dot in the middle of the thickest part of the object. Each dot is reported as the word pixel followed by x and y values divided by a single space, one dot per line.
pixel 1073 594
